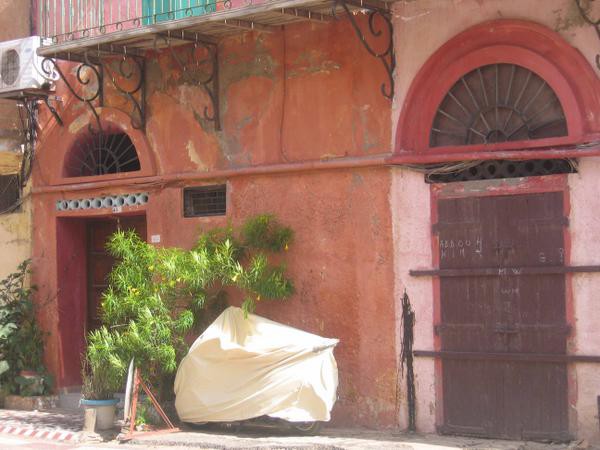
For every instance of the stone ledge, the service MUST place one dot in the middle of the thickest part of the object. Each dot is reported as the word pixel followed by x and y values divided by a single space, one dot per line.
pixel 30 403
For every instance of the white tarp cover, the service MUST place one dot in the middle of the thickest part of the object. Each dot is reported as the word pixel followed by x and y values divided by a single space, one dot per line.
pixel 241 368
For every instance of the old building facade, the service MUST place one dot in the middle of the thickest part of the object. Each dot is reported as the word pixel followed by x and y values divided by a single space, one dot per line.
pixel 469 184
pixel 15 211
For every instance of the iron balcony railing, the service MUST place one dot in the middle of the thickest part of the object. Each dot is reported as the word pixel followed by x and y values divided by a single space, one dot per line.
pixel 68 20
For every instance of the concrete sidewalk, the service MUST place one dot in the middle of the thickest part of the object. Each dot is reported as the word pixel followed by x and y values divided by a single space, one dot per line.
pixel 66 426
pixel 335 438
pixel 56 425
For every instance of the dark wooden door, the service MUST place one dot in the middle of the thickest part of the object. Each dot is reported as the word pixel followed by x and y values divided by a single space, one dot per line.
pixel 100 262
pixel 494 325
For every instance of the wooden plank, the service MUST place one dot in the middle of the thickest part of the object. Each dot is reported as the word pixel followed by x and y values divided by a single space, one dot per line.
pixel 305 14
pixel 10 162
pixel 249 25
pixel 525 357
pixel 503 271
pixel 369 4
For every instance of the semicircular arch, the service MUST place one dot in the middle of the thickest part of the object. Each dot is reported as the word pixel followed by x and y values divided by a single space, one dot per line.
pixel 513 42
pixel 116 127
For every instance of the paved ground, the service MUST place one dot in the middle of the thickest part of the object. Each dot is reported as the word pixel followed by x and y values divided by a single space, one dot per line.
pixel 56 419
pixel 333 439
pixel 61 422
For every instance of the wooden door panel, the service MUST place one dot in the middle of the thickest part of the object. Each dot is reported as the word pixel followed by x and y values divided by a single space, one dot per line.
pixel 505 313
pixel 100 262
pixel 536 397
pixel 468 403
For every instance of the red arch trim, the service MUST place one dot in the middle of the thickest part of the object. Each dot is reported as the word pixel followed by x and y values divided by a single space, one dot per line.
pixel 500 41
pixel 111 119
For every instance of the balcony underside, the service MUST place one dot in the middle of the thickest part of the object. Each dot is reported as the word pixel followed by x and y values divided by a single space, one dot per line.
pixel 210 27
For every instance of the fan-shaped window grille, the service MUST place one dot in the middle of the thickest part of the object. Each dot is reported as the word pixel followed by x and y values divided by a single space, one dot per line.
pixel 102 154
pixel 498 103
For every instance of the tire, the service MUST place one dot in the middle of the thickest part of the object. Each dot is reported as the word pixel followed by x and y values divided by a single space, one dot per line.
pixel 306 428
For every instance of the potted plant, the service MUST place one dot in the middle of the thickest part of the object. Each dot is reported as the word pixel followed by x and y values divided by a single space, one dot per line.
pixel 157 296
pixel 98 387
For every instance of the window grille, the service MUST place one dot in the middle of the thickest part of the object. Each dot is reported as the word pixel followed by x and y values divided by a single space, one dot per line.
pixel 489 170
pixel 102 154
pixel 205 201
pixel 10 193
pixel 497 103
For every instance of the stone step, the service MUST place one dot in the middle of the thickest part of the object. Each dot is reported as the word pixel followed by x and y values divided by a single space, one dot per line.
pixel 69 400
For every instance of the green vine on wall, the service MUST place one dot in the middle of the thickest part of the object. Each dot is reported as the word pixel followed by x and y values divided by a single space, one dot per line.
pixel 21 339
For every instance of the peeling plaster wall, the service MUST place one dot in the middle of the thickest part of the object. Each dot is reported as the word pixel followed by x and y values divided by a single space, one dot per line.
pixel 421 27
pixel 310 93
pixel 15 227
pixel 15 238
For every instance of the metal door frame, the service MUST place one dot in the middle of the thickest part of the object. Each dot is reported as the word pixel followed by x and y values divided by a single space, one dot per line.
pixel 502 187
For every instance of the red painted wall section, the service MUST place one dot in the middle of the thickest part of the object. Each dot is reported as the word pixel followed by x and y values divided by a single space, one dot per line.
pixel 341 266
pixel 340 263
pixel 309 93
pixel 328 105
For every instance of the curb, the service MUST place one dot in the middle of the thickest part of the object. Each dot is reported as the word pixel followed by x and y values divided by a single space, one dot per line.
pixel 53 435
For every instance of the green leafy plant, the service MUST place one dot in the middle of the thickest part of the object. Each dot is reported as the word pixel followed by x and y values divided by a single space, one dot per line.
pixel 156 296
pixel 21 340
pixel 146 413
pixel 99 381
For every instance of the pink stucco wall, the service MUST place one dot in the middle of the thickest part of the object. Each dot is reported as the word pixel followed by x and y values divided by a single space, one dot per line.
pixel 585 250
pixel 420 29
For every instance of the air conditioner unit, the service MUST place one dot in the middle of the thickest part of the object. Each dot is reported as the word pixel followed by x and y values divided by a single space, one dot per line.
pixel 21 68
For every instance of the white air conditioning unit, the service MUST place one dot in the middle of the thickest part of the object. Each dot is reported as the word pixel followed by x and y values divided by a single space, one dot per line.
pixel 21 68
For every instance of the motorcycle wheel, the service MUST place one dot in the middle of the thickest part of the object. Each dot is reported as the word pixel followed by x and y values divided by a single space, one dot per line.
pixel 306 428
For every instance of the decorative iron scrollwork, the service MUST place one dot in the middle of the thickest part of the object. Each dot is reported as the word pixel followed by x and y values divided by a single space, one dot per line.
pixel 130 83
pixel 202 71
pixel 379 27
pixel 89 76
pixel 585 14
pixel 52 110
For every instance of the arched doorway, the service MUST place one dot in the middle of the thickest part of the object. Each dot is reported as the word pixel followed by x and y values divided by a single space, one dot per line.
pixel 85 219
pixel 503 100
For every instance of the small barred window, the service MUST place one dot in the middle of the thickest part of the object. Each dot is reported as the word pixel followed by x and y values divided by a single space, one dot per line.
pixel 10 193
pixel 205 201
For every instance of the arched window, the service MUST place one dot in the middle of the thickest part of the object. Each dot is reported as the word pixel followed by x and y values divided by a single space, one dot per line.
pixel 501 90
pixel 102 154
pixel 497 103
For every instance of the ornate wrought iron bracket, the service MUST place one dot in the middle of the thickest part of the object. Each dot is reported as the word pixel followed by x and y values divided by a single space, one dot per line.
pixel 199 64
pixel 380 28
pixel 585 14
pixel 89 76
pixel 130 82
pixel 52 110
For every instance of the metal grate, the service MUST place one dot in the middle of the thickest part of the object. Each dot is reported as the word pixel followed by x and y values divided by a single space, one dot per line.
pixel 490 170
pixel 102 154
pixel 9 67
pixel 10 193
pixel 205 201
pixel 497 103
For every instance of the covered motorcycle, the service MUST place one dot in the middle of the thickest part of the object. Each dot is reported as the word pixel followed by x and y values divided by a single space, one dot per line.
pixel 245 367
